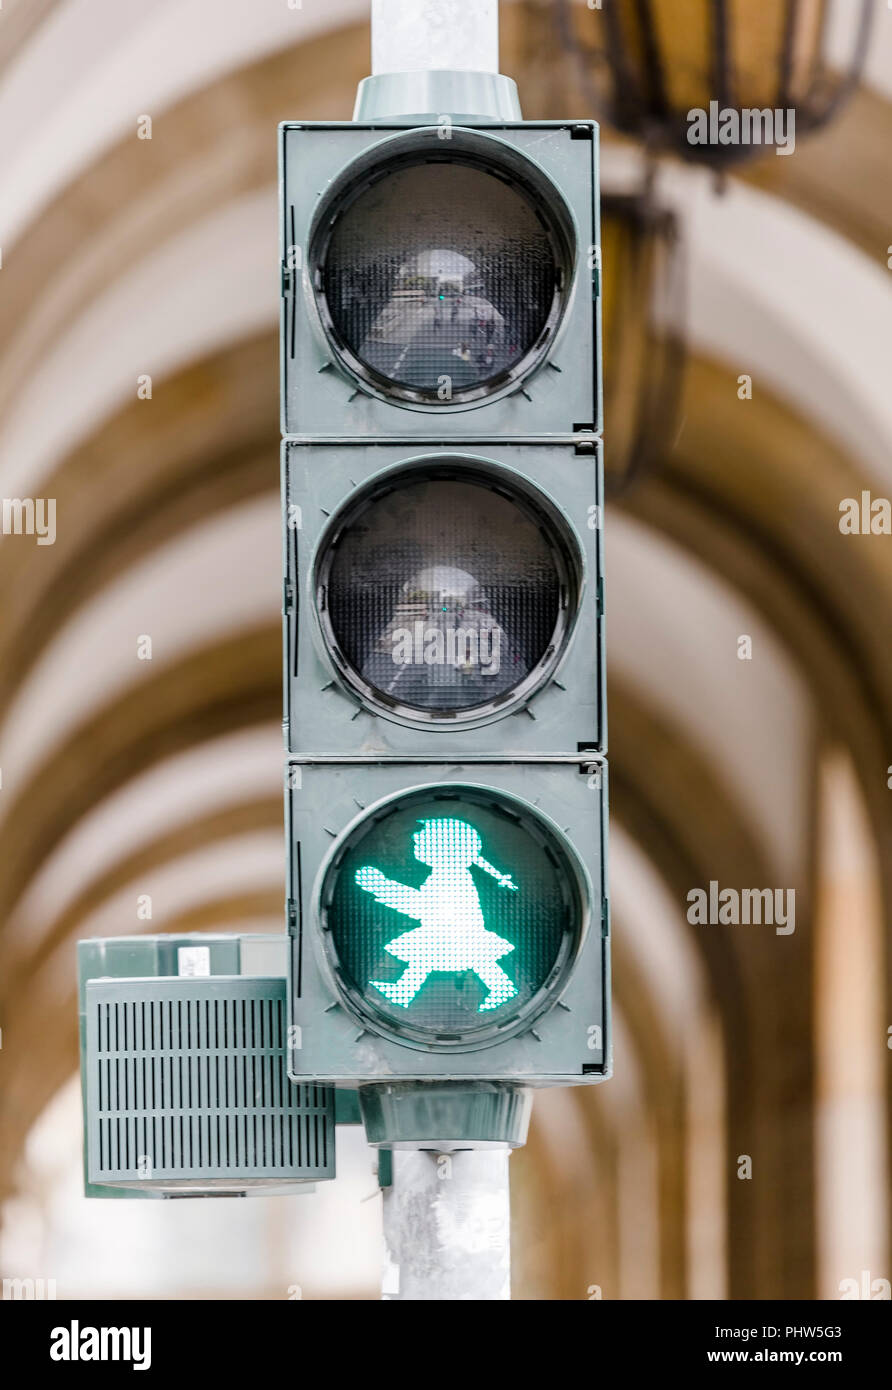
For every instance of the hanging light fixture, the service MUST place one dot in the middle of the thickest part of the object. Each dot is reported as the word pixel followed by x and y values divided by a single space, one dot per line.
pixel 643 277
pixel 703 77
pixel 643 307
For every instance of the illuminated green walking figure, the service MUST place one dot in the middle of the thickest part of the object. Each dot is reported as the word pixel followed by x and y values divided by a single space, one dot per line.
pixel 452 937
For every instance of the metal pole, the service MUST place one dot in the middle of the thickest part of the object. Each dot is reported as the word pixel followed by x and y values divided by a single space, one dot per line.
pixel 435 36
pixel 431 57
pixel 447 1226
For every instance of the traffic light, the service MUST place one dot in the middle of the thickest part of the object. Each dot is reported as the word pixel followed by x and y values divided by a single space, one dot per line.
pixel 444 601
pixel 440 282
pixel 443 616
pixel 448 921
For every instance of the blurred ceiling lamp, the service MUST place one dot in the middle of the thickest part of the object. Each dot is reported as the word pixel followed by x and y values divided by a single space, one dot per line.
pixel 643 277
pixel 648 64
pixel 643 304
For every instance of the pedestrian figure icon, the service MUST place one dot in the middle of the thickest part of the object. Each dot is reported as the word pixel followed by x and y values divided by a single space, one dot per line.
pixel 452 937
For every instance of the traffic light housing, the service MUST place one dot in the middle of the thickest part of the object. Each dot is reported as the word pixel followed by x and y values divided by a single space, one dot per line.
pixel 443 601
pixel 442 484
pixel 453 925
pixel 441 281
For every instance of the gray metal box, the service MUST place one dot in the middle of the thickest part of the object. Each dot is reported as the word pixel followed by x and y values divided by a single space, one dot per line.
pixel 324 395
pixel 566 1043
pixel 562 711
pixel 188 1091
pixel 175 1032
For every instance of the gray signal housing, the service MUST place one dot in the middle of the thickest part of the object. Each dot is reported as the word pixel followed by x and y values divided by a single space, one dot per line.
pixel 324 714
pixel 322 396
pixel 184 1076
pixel 567 1044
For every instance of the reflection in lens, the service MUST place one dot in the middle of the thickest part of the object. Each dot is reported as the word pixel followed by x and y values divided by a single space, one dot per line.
pixel 441 277
pixel 442 596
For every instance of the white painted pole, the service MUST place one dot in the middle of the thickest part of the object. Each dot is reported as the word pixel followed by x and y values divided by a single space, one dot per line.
pixel 435 36
pixel 447 1226
pixel 436 56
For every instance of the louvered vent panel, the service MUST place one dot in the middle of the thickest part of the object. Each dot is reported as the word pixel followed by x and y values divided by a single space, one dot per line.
pixel 187 1086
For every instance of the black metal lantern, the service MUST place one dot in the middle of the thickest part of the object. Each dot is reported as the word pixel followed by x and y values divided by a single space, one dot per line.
pixel 711 80
pixel 643 308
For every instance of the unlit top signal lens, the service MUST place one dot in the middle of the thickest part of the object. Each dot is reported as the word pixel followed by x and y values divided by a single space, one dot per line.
pixel 442 279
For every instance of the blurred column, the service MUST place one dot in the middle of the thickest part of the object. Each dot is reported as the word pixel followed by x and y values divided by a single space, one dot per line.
pixel 850 1038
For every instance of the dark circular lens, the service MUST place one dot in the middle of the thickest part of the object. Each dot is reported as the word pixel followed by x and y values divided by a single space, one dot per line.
pixel 448 913
pixel 444 595
pixel 441 278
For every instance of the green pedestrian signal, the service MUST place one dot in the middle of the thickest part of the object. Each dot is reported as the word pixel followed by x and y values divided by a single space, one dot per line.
pixel 447 912
pixel 444 606
pixel 448 922
pixel 452 937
